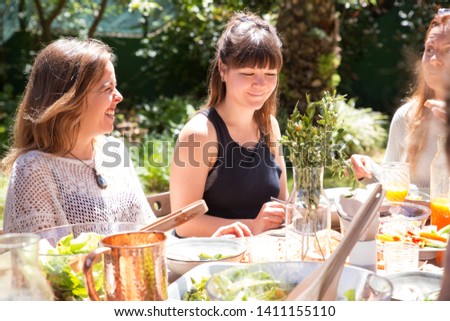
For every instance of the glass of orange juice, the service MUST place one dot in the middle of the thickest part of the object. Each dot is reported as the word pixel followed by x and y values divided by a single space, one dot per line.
pixel 439 204
pixel 395 178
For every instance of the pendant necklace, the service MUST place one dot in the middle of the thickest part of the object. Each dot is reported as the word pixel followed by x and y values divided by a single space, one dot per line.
pixel 101 182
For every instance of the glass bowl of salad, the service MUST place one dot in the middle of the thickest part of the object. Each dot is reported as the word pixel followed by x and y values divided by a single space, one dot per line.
pixel 273 281
pixel 62 251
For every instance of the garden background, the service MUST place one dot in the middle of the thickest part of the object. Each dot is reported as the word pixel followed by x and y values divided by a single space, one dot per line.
pixel 366 50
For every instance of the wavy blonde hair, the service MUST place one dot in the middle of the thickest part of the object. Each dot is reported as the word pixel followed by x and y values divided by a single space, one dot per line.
pixel 419 115
pixel 247 41
pixel 48 116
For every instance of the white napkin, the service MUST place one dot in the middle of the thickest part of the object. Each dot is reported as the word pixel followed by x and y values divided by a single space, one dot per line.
pixel 364 253
pixel 347 207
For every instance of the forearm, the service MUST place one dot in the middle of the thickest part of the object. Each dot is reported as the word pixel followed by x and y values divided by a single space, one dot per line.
pixel 207 225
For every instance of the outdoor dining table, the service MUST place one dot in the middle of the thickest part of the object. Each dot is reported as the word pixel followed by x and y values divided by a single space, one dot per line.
pixel 269 246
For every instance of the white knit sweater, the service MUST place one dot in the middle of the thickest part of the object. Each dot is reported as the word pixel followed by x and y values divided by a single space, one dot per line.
pixel 397 145
pixel 46 190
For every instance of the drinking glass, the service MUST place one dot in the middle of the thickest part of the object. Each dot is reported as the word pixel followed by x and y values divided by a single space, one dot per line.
pixel 264 248
pixel 395 178
pixel 20 275
pixel 400 257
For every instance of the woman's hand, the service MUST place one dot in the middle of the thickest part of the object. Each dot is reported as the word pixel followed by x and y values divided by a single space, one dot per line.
pixel 438 108
pixel 238 229
pixel 361 165
pixel 270 216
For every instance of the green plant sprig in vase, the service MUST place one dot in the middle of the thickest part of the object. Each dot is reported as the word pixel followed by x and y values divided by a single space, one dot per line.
pixel 312 140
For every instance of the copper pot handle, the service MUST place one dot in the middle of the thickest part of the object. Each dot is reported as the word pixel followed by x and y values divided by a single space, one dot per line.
pixel 89 261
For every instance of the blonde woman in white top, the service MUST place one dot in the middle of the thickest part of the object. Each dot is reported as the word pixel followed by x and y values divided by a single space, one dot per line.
pixel 416 125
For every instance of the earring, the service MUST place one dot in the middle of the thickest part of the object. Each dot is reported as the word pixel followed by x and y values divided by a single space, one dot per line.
pixel 223 78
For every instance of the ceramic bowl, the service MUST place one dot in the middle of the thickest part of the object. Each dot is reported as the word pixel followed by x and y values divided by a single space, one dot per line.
pixel 65 271
pixel 250 282
pixel 185 254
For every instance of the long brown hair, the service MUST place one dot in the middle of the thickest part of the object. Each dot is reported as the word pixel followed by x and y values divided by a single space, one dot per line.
pixel 419 115
pixel 54 99
pixel 247 41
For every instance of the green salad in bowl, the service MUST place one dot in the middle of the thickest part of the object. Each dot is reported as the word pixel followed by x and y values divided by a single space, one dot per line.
pixel 62 251
pixel 273 281
pixel 63 265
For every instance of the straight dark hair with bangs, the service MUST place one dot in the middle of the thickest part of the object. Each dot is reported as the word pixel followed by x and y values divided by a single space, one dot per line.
pixel 247 41
pixel 250 43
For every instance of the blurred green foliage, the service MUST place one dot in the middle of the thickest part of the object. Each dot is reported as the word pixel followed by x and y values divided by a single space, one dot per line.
pixel 8 105
pixel 163 74
pixel 152 161
pixel 151 148
pixel 3 188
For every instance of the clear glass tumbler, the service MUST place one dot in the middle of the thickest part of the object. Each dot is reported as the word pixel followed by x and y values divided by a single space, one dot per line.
pixel 395 178
pixel 400 257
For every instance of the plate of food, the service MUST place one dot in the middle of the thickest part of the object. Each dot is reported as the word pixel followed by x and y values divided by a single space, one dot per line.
pixel 430 240
pixel 187 253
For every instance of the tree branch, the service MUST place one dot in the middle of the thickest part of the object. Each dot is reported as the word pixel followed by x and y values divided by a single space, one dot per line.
pixel 97 19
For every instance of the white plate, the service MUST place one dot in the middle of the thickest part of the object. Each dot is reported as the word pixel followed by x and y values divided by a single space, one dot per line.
pixel 184 283
pixel 425 253
pixel 183 254
pixel 420 195
pixel 428 253
pixel 334 193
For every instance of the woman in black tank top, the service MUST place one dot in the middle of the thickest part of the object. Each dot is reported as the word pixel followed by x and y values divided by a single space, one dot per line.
pixel 229 153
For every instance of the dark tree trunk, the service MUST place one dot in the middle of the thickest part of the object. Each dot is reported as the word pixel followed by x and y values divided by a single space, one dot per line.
pixel 310 33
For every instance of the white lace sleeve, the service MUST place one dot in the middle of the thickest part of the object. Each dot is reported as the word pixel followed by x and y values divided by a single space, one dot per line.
pixel 31 200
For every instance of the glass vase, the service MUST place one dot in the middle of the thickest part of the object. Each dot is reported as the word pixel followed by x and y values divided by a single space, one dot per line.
pixel 20 275
pixel 308 219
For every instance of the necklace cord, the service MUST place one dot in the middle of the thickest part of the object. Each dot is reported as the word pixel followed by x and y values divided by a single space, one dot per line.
pixel 99 179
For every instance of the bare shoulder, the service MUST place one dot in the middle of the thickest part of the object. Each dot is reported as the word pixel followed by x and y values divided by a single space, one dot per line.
pixel 200 128
pixel 275 126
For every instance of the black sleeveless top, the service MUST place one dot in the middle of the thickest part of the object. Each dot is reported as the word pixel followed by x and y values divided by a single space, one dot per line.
pixel 242 179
